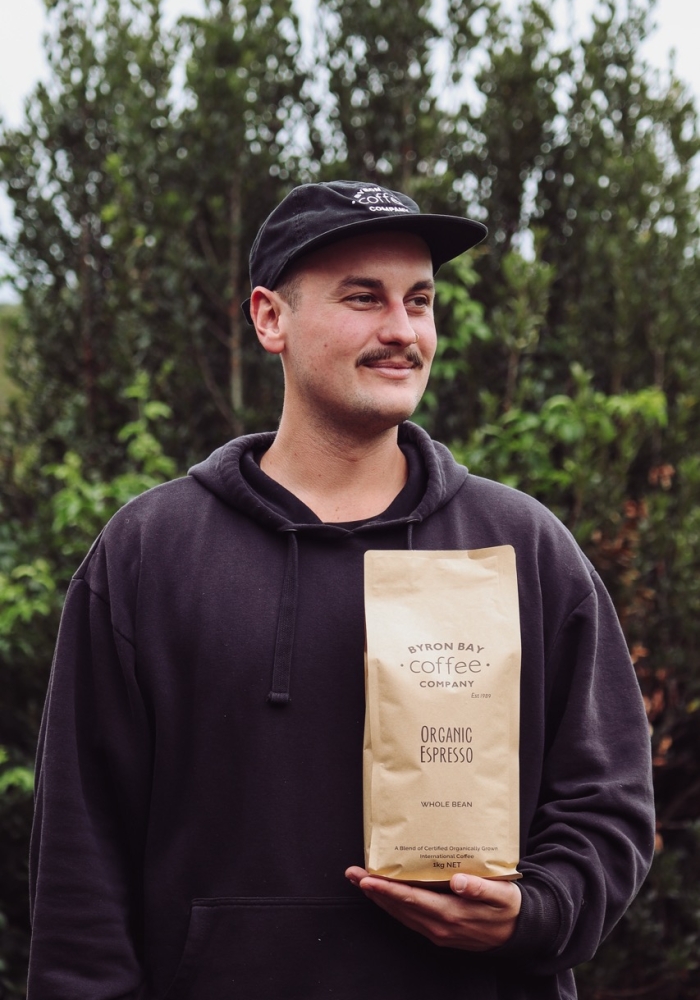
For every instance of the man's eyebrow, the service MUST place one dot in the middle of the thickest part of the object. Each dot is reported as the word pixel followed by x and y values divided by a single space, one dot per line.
pixel 428 285
pixel 358 281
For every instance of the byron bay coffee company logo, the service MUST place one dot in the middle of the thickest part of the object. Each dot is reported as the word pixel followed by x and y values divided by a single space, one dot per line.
pixel 451 665
pixel 377 199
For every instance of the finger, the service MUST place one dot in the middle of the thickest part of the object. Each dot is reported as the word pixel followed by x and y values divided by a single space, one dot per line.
pixel 401 895
pixel 416 920
pixel 441 917
pixel 490 892
pixel 355 874
pixel 445 918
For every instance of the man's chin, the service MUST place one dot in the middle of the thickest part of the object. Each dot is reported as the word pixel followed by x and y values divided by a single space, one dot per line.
pixel 373 421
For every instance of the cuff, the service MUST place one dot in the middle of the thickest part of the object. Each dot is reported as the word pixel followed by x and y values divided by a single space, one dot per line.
pixel 539 927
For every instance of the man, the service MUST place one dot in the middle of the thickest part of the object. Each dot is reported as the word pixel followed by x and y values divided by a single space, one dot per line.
pixel 199 803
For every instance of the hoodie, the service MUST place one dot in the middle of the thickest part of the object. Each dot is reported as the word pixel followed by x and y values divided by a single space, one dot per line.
pixel 199 791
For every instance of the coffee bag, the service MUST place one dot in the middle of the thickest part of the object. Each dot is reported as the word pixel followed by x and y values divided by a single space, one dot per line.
pixel 441 777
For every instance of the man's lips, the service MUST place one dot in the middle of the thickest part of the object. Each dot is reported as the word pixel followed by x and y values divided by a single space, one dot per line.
pixel 400 365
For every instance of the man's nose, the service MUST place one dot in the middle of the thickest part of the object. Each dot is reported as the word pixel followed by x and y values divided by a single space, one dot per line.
pixel 396 327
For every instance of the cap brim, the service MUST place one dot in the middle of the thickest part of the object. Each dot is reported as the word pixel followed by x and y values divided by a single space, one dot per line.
pixel 447 236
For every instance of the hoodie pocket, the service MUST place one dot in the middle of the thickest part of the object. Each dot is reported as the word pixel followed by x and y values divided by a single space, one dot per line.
pixel 312 948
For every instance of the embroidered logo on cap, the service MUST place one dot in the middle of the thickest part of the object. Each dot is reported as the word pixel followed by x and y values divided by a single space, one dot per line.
pixel 376 199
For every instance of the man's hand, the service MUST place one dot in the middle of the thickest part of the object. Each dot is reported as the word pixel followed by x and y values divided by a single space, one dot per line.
pixel 476 915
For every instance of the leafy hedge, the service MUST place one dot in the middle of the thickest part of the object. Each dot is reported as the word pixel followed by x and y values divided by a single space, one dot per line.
pixel 568 362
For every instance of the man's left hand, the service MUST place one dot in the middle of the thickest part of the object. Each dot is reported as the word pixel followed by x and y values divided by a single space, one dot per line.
pixel 476 915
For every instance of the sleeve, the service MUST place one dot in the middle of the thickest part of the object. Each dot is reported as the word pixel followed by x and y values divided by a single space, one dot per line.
pixel 93 773
pixel 591 842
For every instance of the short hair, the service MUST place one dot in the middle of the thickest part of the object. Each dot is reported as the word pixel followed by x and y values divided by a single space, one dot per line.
pixel 289 287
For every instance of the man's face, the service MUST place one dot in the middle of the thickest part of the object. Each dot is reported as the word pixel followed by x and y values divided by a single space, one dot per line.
pixel 359 344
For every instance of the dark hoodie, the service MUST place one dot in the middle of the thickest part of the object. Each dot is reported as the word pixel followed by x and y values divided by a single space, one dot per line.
pixel 199 792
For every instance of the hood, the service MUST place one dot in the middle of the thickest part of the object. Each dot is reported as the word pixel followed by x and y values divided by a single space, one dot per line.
pixel 221 475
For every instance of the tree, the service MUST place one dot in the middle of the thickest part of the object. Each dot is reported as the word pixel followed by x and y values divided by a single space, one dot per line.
pixel 567 362
pixel 96 131
pixel 132 256
pixel 240 138
pixel 385 122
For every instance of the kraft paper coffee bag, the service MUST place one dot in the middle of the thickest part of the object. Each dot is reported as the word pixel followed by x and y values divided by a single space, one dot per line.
pixel 441 790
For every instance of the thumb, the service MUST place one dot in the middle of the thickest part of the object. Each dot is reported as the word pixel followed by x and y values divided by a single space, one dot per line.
pixel 463 885
pixel 492 891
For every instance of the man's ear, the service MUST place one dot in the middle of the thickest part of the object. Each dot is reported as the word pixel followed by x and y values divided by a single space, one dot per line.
pixel 265 309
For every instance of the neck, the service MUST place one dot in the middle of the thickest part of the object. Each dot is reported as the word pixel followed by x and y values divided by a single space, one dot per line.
pixel 338 476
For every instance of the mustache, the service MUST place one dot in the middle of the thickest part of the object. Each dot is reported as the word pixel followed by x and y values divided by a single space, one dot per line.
pixel 410 355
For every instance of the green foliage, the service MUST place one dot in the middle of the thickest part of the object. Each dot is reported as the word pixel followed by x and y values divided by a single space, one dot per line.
pixel 460 318
pixel 567 364
pixel 16 785
pixel 8 319
pixel 85 503
pixel 576 452
pixel 26 593
pixel 73 515
pixel 107 102
pixel 128 260
pixel 385 122
pixel 237 147
pixel 20 778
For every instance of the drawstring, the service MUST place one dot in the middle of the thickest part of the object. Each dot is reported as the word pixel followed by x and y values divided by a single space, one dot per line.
pixel 284 643
pixel 286 623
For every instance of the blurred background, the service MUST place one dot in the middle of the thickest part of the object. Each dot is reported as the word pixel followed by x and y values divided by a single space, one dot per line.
pixel 153 141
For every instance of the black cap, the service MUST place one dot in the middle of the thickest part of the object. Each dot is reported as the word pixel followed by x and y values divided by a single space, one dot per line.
pixel 314 215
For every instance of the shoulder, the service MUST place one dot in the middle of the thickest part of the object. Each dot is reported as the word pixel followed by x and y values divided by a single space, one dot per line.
pixel 508 505
pixel 160 501
pixel 552 568
pixel 534 526
pixel 154 521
